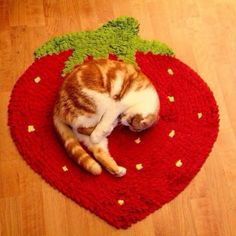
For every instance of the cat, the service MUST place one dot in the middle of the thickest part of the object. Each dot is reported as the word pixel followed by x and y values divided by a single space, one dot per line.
pixel 95 97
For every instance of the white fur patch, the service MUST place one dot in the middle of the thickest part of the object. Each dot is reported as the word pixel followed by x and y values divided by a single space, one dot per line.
pixel 117 83
pixel 104 103
pixel 144 101
pixel 85 139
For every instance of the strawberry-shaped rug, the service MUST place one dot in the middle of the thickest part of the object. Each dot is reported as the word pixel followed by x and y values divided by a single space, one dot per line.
pixel 160 162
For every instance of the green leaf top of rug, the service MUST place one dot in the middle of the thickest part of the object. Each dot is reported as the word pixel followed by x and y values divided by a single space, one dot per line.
pixel 118 36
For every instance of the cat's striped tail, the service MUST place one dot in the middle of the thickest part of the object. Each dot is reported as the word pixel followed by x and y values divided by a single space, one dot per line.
pixel 74 149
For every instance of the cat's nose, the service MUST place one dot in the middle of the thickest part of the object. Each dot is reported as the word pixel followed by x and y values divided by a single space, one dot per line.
pixel 144 124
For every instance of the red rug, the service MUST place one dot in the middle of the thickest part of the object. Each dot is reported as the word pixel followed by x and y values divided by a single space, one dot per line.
pixel 160 162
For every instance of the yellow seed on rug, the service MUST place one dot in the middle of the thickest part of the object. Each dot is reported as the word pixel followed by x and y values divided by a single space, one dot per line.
pixel 31 128
pixel 171 98
pixel 199 115
pixel 179 163
pixel 170 71
pixel 64 168
pixel 139 166
pixel 138 140
pixel 172 133
pixel 37 80
pixel 121 202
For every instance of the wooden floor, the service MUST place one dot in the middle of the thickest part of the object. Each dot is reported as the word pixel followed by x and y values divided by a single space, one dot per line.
pixel 202 34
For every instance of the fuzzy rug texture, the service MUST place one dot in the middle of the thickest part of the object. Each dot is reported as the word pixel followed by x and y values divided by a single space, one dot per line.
pixel 160 162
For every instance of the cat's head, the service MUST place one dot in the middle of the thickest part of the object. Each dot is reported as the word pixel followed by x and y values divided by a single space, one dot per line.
pixel 138 122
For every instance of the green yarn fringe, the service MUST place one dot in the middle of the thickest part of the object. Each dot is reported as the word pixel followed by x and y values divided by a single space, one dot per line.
pixel 118 36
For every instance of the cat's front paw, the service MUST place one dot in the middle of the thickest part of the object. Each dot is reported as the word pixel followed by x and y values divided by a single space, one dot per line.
pixel 96 137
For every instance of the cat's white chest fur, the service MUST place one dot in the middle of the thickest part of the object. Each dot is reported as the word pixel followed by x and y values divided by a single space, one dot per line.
pixel 104 105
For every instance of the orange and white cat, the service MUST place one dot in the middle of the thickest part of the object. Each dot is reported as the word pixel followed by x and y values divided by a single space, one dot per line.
pixel 93 99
